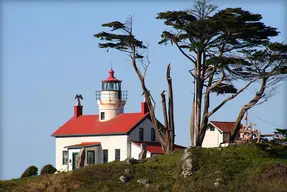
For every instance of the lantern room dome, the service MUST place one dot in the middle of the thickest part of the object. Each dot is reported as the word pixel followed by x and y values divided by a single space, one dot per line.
pixel 111 77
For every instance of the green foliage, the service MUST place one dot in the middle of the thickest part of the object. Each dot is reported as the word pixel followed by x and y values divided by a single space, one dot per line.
pixel 48 169
pixel 30 171
pixel 123 38
pixel 260 167
pixel 281 136
pixel 220 35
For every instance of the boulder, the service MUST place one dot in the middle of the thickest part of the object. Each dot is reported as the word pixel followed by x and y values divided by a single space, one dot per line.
pixel 144 181
pixel 124 179
pixel 127 172
pixel 131 161
pixel 219 182
pixel 186 163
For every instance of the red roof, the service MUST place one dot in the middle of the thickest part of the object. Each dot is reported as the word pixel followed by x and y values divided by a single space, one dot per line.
pixel 155 147
pixel 111 77
pixel 223 126
pixel 84 144
pixel 90 125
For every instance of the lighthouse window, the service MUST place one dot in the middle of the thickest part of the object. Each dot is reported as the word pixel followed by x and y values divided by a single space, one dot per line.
pixel 102 115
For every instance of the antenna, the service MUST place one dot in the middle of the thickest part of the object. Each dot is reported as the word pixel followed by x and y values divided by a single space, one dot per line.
pixel 111 64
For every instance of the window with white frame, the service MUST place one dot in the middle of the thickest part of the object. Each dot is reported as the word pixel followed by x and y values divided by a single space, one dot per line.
pixel 105 156
pixel 117 154
pixel 91 157
pixel 65 158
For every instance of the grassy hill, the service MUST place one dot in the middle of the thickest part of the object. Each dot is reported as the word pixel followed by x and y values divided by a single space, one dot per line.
pixel 242 168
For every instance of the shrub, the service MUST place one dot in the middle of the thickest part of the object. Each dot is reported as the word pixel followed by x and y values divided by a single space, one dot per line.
pixel 48 169
pixel 30 171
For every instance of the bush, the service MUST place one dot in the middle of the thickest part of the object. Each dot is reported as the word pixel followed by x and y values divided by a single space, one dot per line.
pixel 48 169
pixel 30 171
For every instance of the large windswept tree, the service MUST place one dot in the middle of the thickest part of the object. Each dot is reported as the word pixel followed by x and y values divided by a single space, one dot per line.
pixel 213 41
pixel 122 38
pixel 269 67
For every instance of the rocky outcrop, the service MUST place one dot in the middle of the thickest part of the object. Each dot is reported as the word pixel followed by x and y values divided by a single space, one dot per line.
pixel 186 163
pixel 124 179
pixel 143 181
pixel 131 161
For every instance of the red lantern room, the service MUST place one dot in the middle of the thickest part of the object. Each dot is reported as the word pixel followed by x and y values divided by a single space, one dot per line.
pixel 111 83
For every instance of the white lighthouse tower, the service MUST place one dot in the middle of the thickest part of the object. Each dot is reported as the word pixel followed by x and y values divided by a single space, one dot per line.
pixel 111 99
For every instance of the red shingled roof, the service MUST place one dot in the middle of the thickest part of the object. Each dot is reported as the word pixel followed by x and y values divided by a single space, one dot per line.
pixel 90 125
pixel 84 144
pixel 223 126
pixel 155 147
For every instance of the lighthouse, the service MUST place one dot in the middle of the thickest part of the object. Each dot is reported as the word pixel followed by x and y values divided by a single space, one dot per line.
pixel 111 99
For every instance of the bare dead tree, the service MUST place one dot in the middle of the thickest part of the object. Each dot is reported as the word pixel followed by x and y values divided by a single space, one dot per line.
pixel 125 41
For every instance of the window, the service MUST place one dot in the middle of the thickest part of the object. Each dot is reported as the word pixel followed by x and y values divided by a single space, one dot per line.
pixel 65 157
pixel 102 115
pixel 91 157
pixel 211 128
pixel 117 154
pixel 105 156
pixel 141 136
pixel 152 135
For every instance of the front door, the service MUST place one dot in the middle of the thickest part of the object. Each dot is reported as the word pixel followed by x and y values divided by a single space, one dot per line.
pixel 75 160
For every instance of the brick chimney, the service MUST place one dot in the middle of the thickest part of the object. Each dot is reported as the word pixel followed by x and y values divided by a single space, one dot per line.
pixel 144 108
pixel 78 111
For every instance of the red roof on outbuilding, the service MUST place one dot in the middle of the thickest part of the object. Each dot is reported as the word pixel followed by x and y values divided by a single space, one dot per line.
pixel 90 125
pixel 84 144
pixel 155 147
pixel 223 126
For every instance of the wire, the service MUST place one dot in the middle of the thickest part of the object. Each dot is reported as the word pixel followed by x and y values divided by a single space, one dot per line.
pixel 270 123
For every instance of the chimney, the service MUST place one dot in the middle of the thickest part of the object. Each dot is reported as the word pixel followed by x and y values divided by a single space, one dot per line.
pixel 144 108
pixel 78 111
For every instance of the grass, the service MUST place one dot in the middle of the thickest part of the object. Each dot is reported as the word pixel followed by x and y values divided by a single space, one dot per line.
pixel 244 168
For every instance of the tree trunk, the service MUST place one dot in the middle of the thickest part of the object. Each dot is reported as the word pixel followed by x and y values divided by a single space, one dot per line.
pixel 204 120
pixel 170 109
pixel 159 131
pixel 192 124
pixel 258 96
pixel 198 94
pixel 166 124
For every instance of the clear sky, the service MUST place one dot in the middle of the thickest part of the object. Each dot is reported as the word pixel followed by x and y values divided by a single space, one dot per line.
pixel 49 54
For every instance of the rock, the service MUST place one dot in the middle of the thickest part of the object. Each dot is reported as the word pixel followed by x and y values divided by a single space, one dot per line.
pixel 219 182
pixel 143 181
pixel 77 186
pixel 186 163
pixel 147 185
pixel 124 179
pixel 131 161
pixel 186 173
pixel 127 172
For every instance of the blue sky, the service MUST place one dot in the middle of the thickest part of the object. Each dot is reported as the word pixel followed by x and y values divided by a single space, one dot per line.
pixel 49 54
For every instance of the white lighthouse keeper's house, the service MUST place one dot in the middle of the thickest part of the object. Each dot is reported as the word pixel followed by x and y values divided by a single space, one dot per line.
pixel 111 135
